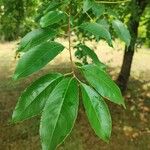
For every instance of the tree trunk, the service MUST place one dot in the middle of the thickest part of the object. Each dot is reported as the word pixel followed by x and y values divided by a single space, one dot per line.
pixel 137 9
pixel 19 17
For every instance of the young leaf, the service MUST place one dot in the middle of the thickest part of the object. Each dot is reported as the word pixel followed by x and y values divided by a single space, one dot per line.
pixel 51 18
pixel 98 31
pixel 97 112
pixel 92 55
pixel 36 58
pixel 98 9
pixel 35 38
pixel 102 83
pixel 33 99
pixel 59 114
pixel 87 4
pixel 52 5
pixel 122 31
pixel 104 23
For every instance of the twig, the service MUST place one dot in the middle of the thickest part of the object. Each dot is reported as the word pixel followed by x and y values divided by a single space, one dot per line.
pixel 69 39
pixel 89 16
pixel 68 74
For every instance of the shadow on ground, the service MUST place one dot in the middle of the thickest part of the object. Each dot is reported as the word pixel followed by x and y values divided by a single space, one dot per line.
pixel 130 126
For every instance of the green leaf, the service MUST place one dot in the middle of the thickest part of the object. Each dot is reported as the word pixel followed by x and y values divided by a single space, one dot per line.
pixel 51 18
pixel 111 13
pixel 59 114
pixel 97 112
pixel 78 64
pixel 92 55
pixel 104 23
pixel 33 99
pixel 98 31
pixel 35 38
pixel 87 4
pixel 52 5
pixel 36 58
pixel 122 31
pixel 104 85
pixel 98 9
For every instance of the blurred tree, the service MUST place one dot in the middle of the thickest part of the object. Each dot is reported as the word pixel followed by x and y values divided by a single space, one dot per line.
pixel 136 8
pixel 12 14
pixel 16 18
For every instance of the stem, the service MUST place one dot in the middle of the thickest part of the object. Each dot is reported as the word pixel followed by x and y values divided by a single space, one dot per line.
pixel 78 80
pixel 89 16
pixel 69 40
pixel 68 74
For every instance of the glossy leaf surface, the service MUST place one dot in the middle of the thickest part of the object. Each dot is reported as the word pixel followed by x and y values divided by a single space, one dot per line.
pixel 35 38
pixel 98 31
pixel 87 4
pixel 33 99
pixel 102 82
pixel 51 18
pixel 122 31
pixel 97 112
pixel 36 58
pixel 92 55
pixel 59 114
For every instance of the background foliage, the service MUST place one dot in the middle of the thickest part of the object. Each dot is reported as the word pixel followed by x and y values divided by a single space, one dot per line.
pixel 17 18
pixel 20 15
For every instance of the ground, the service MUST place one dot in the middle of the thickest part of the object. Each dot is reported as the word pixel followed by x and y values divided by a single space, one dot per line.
pixel 131 127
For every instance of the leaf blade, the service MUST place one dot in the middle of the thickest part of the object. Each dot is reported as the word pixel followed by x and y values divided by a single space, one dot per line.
pixel 36 58
pixel 52 5
pixel 121 31
pixel 33 99
pixel 35 38
pixel 87 4
pixel 51 18
pixel 92 55
pixel 98 31
pixel 59 114
pixel 98 9
pixel 97 112
pixel 103 83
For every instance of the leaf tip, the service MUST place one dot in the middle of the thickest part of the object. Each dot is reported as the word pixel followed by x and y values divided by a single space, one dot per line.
pixel 110 43
pixel 13 119
pixel 107 139
pixel 123 103
pixel 124 106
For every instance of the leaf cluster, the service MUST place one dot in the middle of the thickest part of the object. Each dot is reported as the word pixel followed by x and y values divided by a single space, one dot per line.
pixel 55 96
